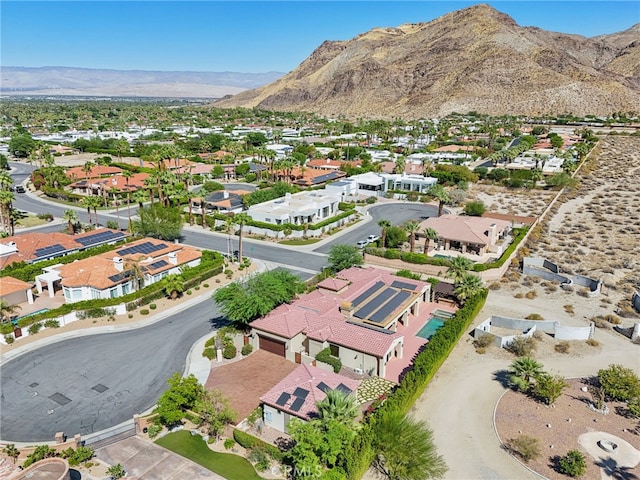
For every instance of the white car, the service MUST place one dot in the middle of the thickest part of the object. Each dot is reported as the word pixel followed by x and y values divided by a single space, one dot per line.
pixel 362 243
pixel 373 238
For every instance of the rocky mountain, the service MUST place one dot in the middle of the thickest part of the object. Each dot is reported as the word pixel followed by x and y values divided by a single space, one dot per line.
pixel 475 59
pixel 67 81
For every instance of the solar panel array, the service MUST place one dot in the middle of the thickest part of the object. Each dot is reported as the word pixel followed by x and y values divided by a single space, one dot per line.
pixel 146 247
pixel 370 291
pixel 283 399
pixel 344 389
pixel 301 392
pixel 158 264
pixel 375 303
pixel 388 308
pixel 120 276
pixel 399 284
pixel 295 406
pixel 49 250
pixel 323 387
pixel 100 237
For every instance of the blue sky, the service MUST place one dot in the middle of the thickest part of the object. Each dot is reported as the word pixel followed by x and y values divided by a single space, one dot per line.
pixel 244 36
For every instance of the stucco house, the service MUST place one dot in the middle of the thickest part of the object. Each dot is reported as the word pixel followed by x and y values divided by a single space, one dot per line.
pixel 378 184
pixel 112 274
pixel 297 394
pixel 356 315
pixel 307 207
pixel 467 234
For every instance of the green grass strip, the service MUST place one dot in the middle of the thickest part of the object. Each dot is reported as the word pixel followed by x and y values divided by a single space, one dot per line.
pixel 193 447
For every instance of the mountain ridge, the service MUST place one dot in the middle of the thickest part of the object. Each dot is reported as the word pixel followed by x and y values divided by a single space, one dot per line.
pixel 476 59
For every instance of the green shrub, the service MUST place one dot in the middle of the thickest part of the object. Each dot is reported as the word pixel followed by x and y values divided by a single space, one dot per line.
pixel 210 353
pixel 573 464
pixel 8 338
pixel 259 457
pixel 525 447
pixel 211 342
pixel 229 351
pixel 246 349
pixel 189 292
pixel 52 323
pixel 144 311
pixel 34 328
pixel 521 346
pixel 619 383
pixel 152 306
pixel 326 357
pixel 205 285
pixel 249 442
pixel 153 430
pixel 408 274
pixel 229 443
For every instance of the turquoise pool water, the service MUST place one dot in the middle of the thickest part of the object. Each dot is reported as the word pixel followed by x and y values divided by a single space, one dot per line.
pixel 15 320
pixel 431 327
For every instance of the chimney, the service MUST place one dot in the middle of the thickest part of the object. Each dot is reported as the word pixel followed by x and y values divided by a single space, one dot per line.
pixel 493 230
pixel 118 263
pixel 346 308
pixel 173 258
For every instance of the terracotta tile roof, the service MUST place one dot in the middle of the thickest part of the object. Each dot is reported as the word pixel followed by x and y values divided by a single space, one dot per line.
pixel 97 171
pixel 464 229
pixel 28 244
pixel 306 378
pixel 100 271
pixel 334 284
pixel 9 285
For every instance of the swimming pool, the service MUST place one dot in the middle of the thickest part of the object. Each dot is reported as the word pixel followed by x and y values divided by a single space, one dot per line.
pixel 15 320
pixel 431 327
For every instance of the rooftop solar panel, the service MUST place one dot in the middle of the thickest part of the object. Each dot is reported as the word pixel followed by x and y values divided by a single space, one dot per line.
pixel 388 308
pixel 399 284
pixel 99 237
pixel 370 291
pixel 295 406
pixel 146 247
pixel 323 387
pixel 344 389
pixel 375 303
pixel 158 264
pixel 301 392
pixel 283 399
pixel 49 250
pixel 120 276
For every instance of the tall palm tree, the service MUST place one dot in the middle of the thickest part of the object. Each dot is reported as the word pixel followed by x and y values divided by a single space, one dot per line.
pixel 429 234
pixel 127 174
pixel 7 310
pixel 71 216
pixel 458 268
pixel 405 450
pixel 383 224
pixel 240 219
pixel 468 286
pixel 87 168
pixel 114 193
pixel 86 202
pixel 95 202
pixel 140 197
pixel 440 194
pixel 412 227
pixel 338 406
pixel 6 209
pixel 173 286
pixel 136 272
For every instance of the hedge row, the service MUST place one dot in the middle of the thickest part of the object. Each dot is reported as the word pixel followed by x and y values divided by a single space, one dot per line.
pixel 357 458
pixel 519 234
pixel 286 226
pixel 325 356
pixel 249 441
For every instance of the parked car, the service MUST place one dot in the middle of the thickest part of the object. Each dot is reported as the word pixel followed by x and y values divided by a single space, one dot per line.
pixel 373 238
pixel 362 243
pixel 18 189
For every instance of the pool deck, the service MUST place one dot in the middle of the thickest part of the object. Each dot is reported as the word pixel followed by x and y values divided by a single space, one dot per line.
pixel 412 343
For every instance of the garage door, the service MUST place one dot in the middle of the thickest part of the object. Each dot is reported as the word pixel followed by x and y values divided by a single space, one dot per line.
pixel 273 346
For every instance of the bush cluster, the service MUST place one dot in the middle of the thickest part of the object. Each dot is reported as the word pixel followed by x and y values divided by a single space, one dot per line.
pixel 250 442
pixel 325 356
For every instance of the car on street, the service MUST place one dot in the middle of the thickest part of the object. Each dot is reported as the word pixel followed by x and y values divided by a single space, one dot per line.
pixel 18 189
pixel 373 238
pixel 362 243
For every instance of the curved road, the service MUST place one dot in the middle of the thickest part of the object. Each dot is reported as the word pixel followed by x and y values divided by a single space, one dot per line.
pixel 61 386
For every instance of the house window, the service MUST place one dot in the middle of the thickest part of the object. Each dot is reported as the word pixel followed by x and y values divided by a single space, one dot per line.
pixel 95 293
pixel 335 350
pixel 267 417
pixel 76 293
pixel 126 288
pixel 113 292
pixel 67 294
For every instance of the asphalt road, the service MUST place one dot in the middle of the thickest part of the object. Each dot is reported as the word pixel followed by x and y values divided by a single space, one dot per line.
pixel 59 387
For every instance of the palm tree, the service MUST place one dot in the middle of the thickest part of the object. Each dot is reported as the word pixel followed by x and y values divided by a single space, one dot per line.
pixel 136 272
pixel 6 207
pixel 86 202
pixel 526 369
pixel 140 196
pixel 127 174
pixel 72 218
pixel 412 227
pixel 429 234
pixel 240 219
pixel 173 286
pixel 439 192
pixel 458 267
pixel 405 450
pixel 114 192
pixel 7 310
pixel 383 224
pixel 468 286
pixel 87 168
pixel 338 406
pixel 95 202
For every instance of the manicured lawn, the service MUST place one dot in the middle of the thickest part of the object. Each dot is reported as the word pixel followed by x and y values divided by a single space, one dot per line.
pixel 231 467
pixel 300 241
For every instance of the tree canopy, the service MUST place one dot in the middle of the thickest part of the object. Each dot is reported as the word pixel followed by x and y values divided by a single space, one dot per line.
pixel 158 221
pixel 242 303
pixel 342 257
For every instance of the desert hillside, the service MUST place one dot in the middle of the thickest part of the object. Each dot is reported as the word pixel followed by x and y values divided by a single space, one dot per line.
pixel 475 59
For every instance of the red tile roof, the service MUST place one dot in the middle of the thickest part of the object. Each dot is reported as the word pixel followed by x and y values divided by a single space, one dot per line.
pixel 306 377
pixel 9 285
pixel 95 172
